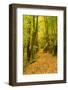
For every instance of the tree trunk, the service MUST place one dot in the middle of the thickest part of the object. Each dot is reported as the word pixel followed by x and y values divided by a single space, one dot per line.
pixel 34 36
pixel 28 46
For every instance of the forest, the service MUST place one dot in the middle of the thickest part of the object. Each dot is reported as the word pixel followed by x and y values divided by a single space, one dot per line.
pixel 39 44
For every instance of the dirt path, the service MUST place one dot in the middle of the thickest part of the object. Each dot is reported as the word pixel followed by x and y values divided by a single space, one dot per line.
pixel 46 63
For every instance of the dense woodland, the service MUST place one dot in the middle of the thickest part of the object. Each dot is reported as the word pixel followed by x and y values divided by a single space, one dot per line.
pixel 39 35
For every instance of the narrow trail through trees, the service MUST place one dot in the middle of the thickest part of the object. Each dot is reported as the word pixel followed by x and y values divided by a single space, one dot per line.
pixel 45 63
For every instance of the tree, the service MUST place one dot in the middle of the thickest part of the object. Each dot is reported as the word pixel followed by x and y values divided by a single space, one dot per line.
pixel 34 42
pixel 46 34
pixel 28 45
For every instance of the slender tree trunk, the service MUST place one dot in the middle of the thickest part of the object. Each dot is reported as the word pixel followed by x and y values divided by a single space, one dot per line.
pixel 46 34
pixel 32 41
pixel 28 46
pixel 34 36
pixel 36 39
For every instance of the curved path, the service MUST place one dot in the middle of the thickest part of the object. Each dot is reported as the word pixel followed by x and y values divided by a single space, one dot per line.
pixel 45 63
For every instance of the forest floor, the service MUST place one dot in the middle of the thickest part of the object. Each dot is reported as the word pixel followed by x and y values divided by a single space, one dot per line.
pixel 45 63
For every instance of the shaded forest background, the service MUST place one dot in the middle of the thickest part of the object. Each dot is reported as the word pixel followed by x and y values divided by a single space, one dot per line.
pixel 39 35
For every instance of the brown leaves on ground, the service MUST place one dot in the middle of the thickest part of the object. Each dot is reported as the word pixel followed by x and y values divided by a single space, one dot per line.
pixel 46 63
